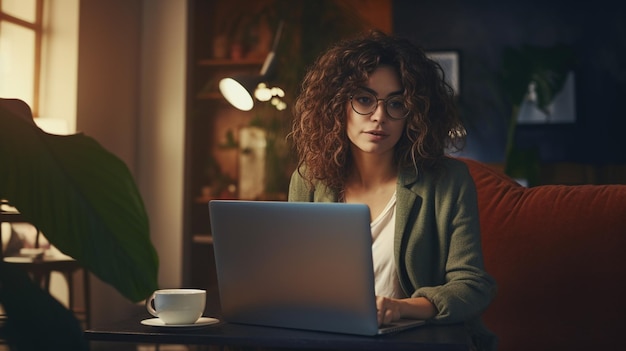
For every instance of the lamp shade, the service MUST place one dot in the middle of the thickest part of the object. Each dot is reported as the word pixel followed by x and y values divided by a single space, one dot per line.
pixel 239 90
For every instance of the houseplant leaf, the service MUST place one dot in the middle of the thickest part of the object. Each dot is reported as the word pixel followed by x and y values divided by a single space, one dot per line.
pixel 83 198
pixel 547 68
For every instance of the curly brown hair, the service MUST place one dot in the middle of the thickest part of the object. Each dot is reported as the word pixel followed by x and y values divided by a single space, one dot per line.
pixel 319 126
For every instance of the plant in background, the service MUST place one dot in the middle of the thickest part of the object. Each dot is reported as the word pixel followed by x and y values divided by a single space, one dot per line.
pixel 300 43
pixel 303 40
pixel 85 201
pixel 546 68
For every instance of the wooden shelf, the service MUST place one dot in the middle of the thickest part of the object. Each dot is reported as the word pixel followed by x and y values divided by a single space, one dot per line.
pixel 210 119
pixel 203 239
pixel 229 62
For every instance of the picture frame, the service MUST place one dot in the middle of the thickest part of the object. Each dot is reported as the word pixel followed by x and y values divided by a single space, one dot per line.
pixel 449 62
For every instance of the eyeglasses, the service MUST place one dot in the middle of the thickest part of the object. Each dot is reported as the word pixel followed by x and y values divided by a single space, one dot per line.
pixel 365 103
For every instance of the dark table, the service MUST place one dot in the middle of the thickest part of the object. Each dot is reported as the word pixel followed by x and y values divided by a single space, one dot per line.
pixel 429 337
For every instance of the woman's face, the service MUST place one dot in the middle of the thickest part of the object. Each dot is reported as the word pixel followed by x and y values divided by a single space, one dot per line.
pixel 376 133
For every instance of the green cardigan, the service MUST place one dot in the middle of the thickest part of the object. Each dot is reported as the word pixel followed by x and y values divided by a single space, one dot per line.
pixel 437 249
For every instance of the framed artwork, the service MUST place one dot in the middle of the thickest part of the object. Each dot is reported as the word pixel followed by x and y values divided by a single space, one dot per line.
pixel 449 61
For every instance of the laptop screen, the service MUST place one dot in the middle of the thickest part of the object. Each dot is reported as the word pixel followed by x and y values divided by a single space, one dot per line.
pixel 296 265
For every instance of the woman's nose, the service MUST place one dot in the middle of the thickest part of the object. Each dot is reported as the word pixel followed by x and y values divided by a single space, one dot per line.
pixel 379 111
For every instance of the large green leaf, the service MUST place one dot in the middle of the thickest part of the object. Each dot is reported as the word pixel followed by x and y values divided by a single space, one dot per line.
pixel 83 198
pixel 546 66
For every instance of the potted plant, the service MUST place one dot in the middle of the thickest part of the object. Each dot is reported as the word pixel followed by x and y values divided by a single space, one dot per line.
pixel 85 201
pixel 546 68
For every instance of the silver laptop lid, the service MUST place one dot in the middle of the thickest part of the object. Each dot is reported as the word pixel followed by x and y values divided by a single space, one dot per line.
pixel 295 265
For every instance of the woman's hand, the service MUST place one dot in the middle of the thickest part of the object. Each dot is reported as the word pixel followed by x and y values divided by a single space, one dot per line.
pixel 390 310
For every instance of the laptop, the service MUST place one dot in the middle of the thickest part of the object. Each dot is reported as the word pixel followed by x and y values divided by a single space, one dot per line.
pixel 297 265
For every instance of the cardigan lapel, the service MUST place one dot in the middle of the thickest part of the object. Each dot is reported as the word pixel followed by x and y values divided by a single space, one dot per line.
pixel 324 194
pixel 407 205
pixel 406 200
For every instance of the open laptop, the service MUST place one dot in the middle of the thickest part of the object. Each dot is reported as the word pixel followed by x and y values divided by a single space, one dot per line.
pixel 297 265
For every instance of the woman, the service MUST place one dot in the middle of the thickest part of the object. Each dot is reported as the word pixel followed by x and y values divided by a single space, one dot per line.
pixel 372 124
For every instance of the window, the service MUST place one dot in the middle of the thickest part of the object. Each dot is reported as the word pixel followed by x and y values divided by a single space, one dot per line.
pixel 21 31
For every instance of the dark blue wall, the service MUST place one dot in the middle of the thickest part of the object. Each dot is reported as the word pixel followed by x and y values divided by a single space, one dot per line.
pixel 479 30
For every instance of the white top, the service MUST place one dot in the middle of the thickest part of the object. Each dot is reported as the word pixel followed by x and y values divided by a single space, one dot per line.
pixel 383 228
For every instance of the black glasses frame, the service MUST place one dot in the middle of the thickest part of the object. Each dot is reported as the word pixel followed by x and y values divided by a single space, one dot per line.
pixel 385 104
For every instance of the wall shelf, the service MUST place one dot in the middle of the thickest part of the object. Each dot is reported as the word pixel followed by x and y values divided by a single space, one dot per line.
pixel 212 62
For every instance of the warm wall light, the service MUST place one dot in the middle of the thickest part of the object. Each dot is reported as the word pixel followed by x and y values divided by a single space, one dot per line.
pixel 240 90
pixel 274 95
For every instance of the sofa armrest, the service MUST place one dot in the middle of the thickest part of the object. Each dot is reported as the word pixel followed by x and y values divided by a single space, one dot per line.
pixel 557 254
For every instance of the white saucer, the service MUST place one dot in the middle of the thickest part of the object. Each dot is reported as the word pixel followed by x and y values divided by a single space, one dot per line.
pixel 18 259
pixel 157 322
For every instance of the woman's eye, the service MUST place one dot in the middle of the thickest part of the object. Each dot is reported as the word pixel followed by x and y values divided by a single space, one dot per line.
pixel 364 100
pixel 396 104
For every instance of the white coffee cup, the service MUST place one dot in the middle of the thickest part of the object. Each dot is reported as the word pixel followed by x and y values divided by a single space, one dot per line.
pixel 177 306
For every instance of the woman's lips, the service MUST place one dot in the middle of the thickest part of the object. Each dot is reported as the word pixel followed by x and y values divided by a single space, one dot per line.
pixel 376 134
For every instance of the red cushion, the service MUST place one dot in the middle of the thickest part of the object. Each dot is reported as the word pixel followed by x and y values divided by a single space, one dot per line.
pixel 557 254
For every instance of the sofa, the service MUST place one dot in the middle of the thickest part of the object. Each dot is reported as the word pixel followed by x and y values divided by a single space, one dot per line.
pixel 558 255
